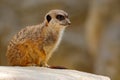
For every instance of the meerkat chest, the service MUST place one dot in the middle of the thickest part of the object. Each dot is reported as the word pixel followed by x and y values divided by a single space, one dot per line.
pixel 52 41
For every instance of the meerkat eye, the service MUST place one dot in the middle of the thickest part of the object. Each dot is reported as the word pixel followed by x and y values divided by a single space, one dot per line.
pixel 48 17
pixel 60 17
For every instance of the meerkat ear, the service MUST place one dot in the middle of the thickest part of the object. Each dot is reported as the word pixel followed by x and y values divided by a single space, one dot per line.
pixel 48 17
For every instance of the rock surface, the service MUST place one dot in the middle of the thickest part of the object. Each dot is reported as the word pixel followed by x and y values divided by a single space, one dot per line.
pixel 40 73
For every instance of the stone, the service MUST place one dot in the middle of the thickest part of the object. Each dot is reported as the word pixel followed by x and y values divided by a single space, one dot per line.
pixel 41 73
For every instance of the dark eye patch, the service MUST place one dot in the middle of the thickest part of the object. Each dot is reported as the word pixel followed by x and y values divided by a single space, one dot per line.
pixel 48 17
pixel 60 17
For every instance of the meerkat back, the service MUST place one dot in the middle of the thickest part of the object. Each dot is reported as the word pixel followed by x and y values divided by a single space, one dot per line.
pixel 34 45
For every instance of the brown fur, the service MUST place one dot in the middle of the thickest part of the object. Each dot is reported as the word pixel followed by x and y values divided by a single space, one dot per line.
pixel 34 45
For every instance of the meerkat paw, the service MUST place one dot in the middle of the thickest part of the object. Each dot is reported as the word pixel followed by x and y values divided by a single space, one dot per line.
pixel 44 65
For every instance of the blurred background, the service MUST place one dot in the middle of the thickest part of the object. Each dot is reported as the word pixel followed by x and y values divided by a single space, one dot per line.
pixel 90 44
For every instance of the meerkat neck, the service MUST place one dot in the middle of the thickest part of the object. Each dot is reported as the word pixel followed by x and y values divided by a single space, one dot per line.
pixel 53 28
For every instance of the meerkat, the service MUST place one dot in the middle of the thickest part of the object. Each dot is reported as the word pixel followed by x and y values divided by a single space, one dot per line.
pixel 34 45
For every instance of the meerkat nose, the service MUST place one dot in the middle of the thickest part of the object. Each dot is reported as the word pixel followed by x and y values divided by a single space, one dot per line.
pixel 69 23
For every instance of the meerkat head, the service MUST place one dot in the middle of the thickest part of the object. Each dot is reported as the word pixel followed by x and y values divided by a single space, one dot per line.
pixel 58 17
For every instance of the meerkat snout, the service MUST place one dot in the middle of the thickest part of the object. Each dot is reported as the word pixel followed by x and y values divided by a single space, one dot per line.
pixel 59 17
